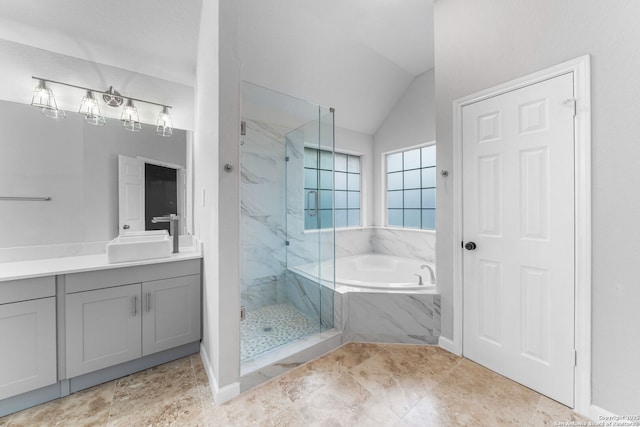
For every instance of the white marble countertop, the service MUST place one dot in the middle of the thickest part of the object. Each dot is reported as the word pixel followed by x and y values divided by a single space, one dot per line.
pixel 75 264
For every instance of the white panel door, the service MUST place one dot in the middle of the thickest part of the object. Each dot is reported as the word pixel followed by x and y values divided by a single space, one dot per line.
pixel 130 194
pixel 518 208
pixel 103 328
pixel 28 350
pixel 171 313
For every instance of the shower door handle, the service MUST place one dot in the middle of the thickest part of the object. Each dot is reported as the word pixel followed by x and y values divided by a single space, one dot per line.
pixel 313 212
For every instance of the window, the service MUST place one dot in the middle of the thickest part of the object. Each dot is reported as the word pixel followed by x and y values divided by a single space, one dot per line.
pixel 411 188
pixel 318 181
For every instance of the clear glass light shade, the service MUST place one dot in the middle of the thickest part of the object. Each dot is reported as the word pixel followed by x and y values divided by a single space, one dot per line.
pixel 165 124
pixel 43 98
pixel 130 118
pixel 91 110
pixel 54 113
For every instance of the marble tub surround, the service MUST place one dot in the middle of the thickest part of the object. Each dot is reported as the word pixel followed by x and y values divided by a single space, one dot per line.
pixel 354 241
pixel 404 242
pixel 354 385
pixel 389 317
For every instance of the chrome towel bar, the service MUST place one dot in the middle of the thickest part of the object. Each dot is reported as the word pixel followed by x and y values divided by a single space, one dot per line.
pixel 32 199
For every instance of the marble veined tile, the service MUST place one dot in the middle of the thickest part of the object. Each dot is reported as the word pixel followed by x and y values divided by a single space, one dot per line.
pixel 405 243
pixel 393 318
pixel 354 242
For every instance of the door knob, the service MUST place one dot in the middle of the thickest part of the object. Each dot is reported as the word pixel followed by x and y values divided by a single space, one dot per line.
pixel 126 226
pixel 470 246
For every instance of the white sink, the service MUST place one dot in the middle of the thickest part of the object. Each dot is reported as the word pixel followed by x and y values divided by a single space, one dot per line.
pixel 139 245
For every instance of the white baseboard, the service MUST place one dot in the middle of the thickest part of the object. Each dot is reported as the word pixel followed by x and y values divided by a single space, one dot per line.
pixel 601 415
pixel 220 395
pixel 449 345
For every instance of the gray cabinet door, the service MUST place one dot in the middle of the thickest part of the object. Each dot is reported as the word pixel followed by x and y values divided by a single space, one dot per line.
pixel 103 328
pixel 171 313
pixel 28 349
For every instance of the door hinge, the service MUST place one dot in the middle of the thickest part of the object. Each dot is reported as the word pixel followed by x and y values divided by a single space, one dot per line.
pixel 243 128
pixel 286 243
pixel 575 358
pixel 571 102
pixel 243 312
pixel 286 159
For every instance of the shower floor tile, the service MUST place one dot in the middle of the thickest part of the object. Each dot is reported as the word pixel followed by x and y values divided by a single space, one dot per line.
pixel 272 326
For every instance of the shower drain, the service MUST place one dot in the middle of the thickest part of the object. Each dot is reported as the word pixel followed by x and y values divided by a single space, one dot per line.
pixel 267 329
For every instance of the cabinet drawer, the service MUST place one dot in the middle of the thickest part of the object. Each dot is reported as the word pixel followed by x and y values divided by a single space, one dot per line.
pixel 27 289
pixel 91 280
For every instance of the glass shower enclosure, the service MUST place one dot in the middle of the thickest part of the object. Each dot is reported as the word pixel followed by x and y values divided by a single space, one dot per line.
pixel 287 233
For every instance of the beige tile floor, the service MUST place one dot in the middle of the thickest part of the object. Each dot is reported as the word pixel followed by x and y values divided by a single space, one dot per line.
pixel 355 385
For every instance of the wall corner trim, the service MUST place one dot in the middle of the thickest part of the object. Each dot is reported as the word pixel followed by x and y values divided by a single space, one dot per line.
pixel 449 345
pixel 220 395
pixel 601 415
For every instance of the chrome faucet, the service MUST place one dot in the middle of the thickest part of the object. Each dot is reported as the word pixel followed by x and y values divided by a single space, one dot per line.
pixel 432 274
pixel 420 282
pixel 172 219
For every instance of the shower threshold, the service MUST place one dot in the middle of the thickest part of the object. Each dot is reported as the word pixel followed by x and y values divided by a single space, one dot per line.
pixel 286 357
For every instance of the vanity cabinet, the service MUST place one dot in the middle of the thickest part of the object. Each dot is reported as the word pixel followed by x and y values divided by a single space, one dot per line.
pixel 103 328
pixel 171 313
pixel 109 322
pixel 28 330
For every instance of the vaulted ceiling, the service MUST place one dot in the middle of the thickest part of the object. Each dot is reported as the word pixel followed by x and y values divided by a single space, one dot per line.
pixel 357 56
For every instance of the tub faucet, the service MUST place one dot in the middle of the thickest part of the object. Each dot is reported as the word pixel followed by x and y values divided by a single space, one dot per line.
pixel 432 274
pixel 420 282
pixel 172 219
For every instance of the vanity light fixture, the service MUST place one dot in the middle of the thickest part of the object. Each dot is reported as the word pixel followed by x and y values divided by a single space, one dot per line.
pixel 91 110
pixel 164 126
pixel 89 107
pixel 43 98
pixel 129 117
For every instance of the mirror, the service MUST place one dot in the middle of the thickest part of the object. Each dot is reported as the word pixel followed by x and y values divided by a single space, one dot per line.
pixel 76 165
pixel 149 188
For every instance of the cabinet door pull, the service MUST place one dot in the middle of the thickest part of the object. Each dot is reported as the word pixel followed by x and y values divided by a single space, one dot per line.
pixel 148 302
pixel 135 306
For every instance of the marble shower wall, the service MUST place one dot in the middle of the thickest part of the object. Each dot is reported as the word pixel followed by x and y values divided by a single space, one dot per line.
pixel 263 215
pixel 309 297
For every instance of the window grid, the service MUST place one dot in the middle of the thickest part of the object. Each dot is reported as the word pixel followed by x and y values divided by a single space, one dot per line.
pixel 411 202
pixel 320 177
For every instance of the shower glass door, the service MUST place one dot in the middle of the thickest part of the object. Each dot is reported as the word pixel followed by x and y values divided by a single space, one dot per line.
pixel 286 219
pixel 310 217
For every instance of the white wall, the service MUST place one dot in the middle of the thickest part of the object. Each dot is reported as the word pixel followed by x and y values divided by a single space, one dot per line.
pixel 217 214
pixel 483 43
pixel 411 122
pixel 20 62
pixel 205 180
pixel 75 164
